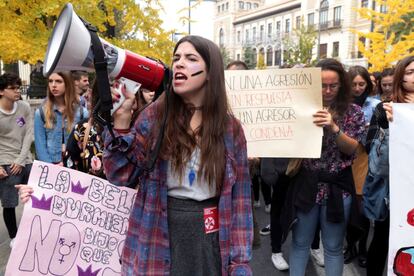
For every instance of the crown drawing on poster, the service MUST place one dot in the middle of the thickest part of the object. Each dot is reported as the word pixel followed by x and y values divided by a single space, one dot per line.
pixel 87 272
pixel 77 188
pixel 42 203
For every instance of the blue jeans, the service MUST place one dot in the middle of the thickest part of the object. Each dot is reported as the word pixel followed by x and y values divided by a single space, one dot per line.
pixel 332 239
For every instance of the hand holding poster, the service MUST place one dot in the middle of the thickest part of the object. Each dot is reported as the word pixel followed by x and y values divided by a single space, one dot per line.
pixel 275 108
pixel 74 224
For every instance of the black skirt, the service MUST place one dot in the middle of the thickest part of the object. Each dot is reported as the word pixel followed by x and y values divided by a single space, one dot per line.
pixel 193 251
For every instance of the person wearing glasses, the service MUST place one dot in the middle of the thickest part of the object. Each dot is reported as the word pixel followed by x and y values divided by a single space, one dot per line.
pixel 16 137
pixel 323 189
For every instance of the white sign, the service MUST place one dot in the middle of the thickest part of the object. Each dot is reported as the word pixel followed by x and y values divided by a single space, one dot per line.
pixel 74 224
pixel 275 108
pixel 401 242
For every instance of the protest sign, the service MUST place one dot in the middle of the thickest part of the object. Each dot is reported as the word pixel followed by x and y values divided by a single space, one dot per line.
pixel 74 224
pixel 401 242
pixel 275 108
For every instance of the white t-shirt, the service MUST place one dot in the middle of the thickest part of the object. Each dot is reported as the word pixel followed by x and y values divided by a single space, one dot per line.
pixel 198 189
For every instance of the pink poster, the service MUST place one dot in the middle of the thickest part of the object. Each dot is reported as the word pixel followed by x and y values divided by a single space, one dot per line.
pixel 74 224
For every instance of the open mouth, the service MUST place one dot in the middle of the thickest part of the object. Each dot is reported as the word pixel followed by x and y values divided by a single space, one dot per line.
pixel 180 76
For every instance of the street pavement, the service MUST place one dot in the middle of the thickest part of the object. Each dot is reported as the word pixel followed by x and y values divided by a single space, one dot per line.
pixel 261 263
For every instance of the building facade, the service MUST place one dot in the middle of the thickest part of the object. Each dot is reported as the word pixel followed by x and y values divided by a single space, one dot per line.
pixel 253 25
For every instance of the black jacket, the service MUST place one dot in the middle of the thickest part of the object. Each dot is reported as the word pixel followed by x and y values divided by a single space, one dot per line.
pixel 302 195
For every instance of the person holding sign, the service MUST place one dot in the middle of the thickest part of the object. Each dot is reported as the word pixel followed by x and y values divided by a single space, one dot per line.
pixel 193 213
pixel 55 118
pixel 402 92
pixel 323 189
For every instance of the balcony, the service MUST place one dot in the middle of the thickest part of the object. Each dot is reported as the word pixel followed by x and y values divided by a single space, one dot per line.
pixel 329 25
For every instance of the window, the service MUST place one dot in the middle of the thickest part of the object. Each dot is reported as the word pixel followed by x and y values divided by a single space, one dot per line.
pixel 218 9
pixel 335 49
pixel 221 37
pixel 278 57
pixel 269 56
pixel 337 16
pixel 249 5
pixel 238 56
pixel 269 30
pixel 362 40
pixel 255 5
pixel 254 33
pixel 323 49
pixel 241 5
pixel 383 9
pixel 238 36
pixel 227 6
pixel 247 35
pixel 278 27
pixel 311 19
pixel 364 4
pixel 287 25
pixel 261 32
pixel 298 22
pixel 323 14
pixel 222 7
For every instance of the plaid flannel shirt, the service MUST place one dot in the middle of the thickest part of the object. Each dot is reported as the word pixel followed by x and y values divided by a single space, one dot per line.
pixel 146 250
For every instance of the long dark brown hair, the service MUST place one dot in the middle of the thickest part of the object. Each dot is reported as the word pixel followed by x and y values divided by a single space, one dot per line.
pixel 359 70
pixel 397 86
pixel 343 97
pixel 179 142
pixel 71 103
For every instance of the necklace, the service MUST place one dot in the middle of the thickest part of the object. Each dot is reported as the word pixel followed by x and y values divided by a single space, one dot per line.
pixel 192 174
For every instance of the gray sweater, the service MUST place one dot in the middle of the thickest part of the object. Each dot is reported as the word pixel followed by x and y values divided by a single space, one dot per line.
pixel 16 135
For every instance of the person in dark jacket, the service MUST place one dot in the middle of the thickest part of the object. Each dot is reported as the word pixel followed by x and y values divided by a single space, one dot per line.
pixel 323 190
pixel 402 92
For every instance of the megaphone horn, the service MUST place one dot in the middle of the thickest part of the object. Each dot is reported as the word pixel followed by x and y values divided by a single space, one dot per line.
pixel 69 49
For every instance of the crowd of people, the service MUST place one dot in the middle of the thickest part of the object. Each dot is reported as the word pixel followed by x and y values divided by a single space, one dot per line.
pixel 202 164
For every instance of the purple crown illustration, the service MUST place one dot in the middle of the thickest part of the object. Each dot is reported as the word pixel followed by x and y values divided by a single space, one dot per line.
pixel 20 121
pixel 77 188
pixel 87 272
pixel 42 203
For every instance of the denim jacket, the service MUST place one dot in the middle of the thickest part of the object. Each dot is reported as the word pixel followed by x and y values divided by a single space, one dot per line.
pixel 48 142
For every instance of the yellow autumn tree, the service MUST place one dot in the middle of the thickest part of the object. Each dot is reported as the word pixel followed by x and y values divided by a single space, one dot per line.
pixel 390 40
pixel 27 25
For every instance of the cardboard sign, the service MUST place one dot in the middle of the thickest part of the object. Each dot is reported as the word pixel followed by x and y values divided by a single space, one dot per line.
pixel 275 108
pixel 74 224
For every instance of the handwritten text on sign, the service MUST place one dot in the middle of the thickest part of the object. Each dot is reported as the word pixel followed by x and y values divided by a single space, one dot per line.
pixel 75 224
pixel 275 108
